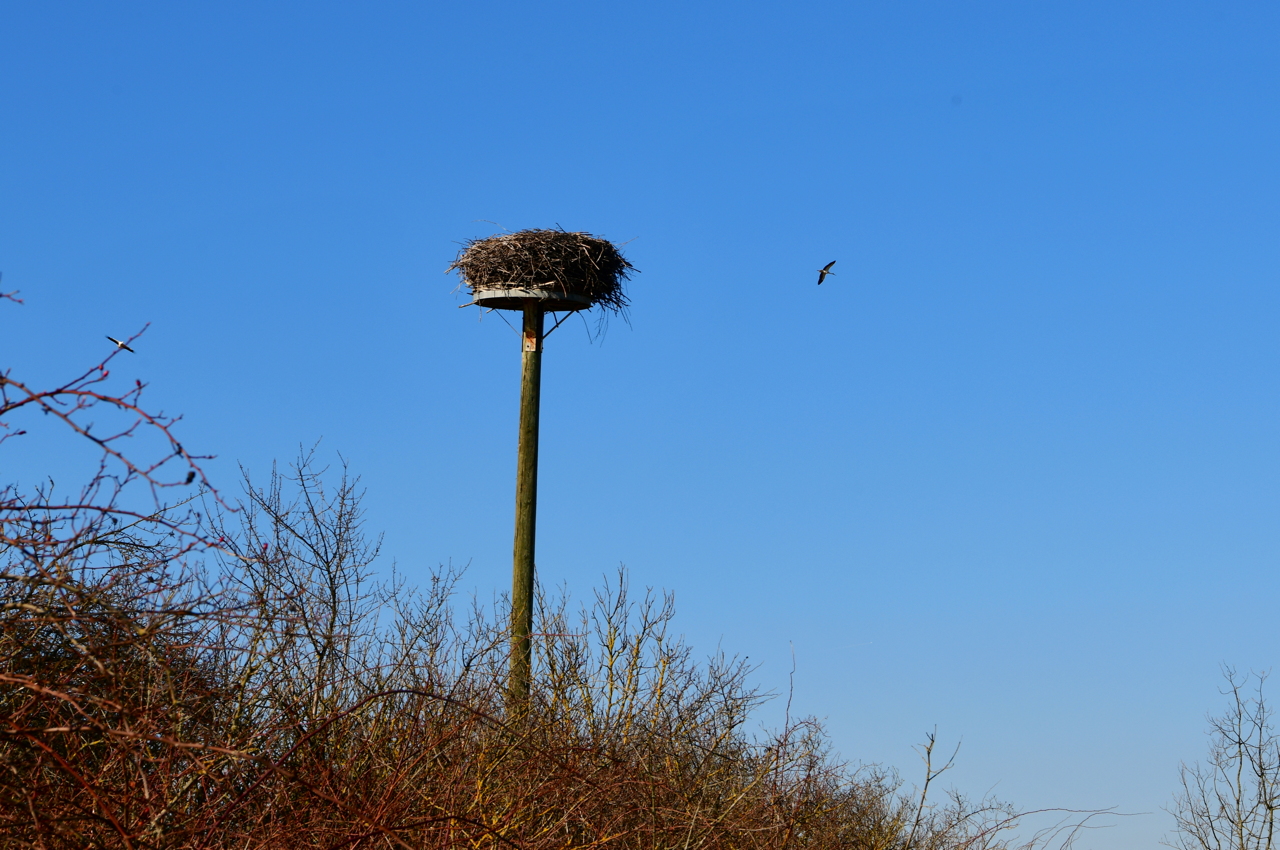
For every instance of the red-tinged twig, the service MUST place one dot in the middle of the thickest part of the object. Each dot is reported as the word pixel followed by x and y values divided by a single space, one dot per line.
pixel 359 705
pixel 100 804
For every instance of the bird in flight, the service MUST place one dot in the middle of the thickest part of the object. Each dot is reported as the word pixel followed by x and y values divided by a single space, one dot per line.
pixel 120 344
pixel 824 271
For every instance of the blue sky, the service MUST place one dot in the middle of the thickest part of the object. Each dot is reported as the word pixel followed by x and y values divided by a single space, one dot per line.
pixel 1011 472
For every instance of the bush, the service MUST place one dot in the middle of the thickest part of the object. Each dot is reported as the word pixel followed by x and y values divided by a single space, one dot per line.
pixel 188 676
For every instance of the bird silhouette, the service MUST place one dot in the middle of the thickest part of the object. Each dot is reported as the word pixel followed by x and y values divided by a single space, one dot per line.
pixel 824 271
pixel 120 344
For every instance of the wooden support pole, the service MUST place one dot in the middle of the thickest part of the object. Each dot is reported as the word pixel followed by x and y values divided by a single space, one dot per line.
pixel 526 510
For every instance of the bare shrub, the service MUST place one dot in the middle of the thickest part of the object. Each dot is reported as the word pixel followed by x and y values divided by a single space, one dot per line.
pixel 1231 801
pixel 102 682
pixel 171 679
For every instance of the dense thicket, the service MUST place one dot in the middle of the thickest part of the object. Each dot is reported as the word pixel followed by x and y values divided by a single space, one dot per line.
pixel 186 675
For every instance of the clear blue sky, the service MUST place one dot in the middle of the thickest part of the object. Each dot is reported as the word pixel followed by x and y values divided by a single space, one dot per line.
pixel 1013 472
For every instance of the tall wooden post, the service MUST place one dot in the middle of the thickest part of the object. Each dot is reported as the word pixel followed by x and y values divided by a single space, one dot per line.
pixel 521 664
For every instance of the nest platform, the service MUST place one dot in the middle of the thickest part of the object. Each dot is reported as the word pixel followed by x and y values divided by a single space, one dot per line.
pixel 556 269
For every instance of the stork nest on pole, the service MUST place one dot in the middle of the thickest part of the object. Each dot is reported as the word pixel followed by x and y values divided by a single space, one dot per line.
pixel 550 261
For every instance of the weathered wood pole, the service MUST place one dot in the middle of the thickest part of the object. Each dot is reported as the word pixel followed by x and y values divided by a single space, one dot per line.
pixel 526 509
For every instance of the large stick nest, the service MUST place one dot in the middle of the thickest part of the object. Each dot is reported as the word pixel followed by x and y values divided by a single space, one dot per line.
pixel 547 260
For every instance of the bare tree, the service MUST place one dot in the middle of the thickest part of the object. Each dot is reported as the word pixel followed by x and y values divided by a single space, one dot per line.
pixel 1230 802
